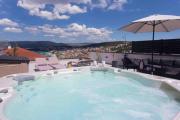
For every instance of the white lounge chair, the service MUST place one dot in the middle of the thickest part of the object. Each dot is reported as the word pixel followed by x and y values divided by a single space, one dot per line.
pixel 103 63
pixel 54 63
pixel 100 67
pixel 42 64
pixel 95 63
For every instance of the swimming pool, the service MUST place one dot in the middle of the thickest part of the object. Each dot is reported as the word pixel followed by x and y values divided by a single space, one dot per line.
pixel 92 96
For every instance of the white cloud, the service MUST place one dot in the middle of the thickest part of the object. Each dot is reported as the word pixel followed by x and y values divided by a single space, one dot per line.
pixel 10 26
pixel 8 22
pixel 49 35
pixel 63 9
pixel 117 4
pixel 32 29
pixel 13 29
pixel 108 4
pixel 69 8
pixel 75 32
pixel 99 4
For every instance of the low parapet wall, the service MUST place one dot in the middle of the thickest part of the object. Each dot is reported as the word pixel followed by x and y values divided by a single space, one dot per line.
pixel 109 57
pixel 7 69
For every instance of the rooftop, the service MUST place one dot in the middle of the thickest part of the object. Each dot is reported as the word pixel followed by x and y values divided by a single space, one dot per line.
pixel 21 52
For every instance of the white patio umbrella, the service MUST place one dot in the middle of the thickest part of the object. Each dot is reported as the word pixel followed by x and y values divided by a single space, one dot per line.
pixel 154 23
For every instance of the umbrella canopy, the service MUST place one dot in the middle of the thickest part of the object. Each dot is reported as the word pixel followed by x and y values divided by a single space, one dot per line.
pixel 162 23
pixel 154 23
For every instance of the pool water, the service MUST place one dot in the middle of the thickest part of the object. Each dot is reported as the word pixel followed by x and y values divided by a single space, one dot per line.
pixel 91 96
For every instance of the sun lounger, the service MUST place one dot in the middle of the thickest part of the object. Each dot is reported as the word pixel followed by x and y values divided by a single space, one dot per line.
pixel 54 63
pixel 84 63
pixel 42 64
pixel 172 72
pixel 43 67
pixel 57 66
pixel 72 64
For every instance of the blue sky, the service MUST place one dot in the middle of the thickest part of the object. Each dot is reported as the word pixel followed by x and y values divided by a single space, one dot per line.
pixel 79 20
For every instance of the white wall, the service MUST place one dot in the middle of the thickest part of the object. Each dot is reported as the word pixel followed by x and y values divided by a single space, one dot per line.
pixel 109 57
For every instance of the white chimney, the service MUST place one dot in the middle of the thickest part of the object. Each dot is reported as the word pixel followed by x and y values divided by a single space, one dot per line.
pixel 9 47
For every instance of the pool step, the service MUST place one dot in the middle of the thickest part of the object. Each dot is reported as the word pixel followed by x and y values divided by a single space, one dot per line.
pixel 175 85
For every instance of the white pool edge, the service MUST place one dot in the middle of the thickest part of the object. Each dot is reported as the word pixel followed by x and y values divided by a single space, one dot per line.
pixel 172 82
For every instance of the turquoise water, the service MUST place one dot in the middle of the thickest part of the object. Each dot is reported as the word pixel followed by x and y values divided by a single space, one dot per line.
pixel 91 96
pixel 43 53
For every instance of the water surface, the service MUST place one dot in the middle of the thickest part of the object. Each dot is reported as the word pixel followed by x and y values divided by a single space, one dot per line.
pixel 91 96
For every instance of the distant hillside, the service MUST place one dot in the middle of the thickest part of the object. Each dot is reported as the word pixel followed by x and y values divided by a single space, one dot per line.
pixel 106 44
pixel 78 44
pixel 3 45
pixel 48 45
pixel 40 45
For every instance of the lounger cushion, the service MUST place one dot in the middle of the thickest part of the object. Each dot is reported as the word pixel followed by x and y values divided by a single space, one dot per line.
pixel 43 67
pixel 58 66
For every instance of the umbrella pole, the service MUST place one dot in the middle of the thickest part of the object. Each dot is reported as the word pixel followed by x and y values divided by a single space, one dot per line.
pixel 154 25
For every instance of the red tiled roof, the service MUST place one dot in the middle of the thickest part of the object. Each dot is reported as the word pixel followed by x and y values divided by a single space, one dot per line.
pixel 21 52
